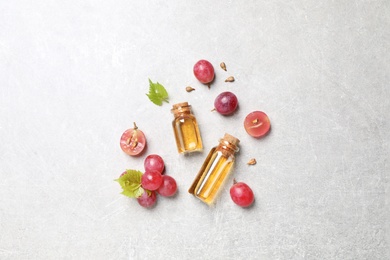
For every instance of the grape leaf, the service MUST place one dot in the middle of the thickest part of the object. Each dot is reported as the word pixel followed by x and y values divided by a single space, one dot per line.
pixel 157 93
pixel 131 183
pixel 133 193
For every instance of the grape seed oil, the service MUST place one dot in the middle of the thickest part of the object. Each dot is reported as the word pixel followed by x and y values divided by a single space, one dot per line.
pixel 215 170
pixel 186 129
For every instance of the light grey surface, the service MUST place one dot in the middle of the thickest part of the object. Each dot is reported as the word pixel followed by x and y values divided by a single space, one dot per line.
pixel 73 77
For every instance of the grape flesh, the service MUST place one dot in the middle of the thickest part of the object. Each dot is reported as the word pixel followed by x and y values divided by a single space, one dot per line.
pixel 168 187
pixel 242 194
pixel 147 200
pixel 133 141
pixel 204 71
pixel 154 162
pixel 257 124
pixel 226 103
pixel 151 180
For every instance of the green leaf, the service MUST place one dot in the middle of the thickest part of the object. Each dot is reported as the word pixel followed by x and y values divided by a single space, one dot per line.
pixel 131 183
pixel 157 93
pixel 133 193
pixel 139 192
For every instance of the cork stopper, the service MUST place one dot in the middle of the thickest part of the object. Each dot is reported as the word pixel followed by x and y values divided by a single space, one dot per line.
pixel 228 145
pixel 180 108
pixel 179 105
pixel 231 139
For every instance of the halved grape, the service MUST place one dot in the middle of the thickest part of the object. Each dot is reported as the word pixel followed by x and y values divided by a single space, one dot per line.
pixel 151 180
pixel 257 124
pixel 204 71
pixel 226 103
pixel 147 200
pixel 168 187
pixel 154 162
pixel 133 141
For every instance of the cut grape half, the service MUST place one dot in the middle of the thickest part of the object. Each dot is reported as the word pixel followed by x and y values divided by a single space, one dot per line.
pixel 133 141
pixel 257 124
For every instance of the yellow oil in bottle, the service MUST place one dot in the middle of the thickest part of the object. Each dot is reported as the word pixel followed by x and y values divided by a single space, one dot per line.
pixel 215 170
pixel 186 129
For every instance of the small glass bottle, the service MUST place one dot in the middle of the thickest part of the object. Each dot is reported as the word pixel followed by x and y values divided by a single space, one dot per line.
pixel 185 128
pixel 215 169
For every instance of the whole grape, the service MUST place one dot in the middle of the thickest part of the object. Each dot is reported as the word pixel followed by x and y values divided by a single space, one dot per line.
pixel 168 187
pixel 242 194
pixel 147 199
pixel 226 103
pixel 204 71
pixel 151 180
pixel 154 162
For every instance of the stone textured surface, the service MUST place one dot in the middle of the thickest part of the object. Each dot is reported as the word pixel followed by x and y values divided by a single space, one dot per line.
pixel 73 77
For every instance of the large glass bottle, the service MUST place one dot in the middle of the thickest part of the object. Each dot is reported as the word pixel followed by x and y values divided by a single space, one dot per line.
pixel 185 128
pixel 215 169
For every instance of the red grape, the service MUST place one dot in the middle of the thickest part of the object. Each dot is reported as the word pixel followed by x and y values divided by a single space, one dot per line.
pixel 242 194
pixel 146 200
pixel 154 162
pixel 204 71
pixel 168 187
pixel 226 103
pixel 133 141
pixel 257 124
pixel 151 180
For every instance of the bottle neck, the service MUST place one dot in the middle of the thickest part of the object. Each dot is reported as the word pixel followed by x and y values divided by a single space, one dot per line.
pixel 181 109
pixel 227 148
pixel 181 112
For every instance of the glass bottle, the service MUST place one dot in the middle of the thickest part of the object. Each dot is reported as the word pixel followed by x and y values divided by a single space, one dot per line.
pixel 185 128
pixel 215 169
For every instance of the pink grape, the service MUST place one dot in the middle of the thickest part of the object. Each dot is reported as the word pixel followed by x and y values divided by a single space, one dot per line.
pixel 257 124
pixel 154 162
pixel 242 194
pixel 133 141
pixel 204 71
pixel 146 200
pixel 226 103
pixel 168 187
pixel 151 180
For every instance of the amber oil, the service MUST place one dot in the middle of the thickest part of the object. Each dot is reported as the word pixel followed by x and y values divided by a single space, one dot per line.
pixel 215 170
pixel 186 129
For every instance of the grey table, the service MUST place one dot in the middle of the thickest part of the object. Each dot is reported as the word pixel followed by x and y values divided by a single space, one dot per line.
pixel 73 77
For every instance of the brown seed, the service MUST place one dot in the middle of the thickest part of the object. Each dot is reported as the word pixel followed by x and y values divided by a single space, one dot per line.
pixel 252 161
pixel 229 79
pixel 135 143
pixel 189 89
pixel 223 66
